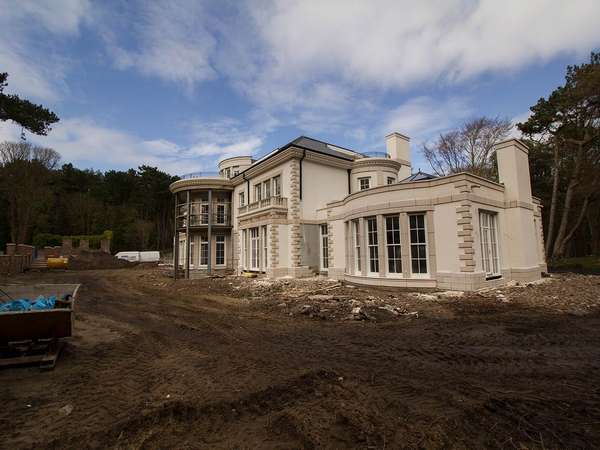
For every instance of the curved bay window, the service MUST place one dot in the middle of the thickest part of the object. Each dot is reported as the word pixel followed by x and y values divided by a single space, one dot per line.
pixel 406 232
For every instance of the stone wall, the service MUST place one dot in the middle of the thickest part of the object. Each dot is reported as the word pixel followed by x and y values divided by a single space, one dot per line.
pixel 18 258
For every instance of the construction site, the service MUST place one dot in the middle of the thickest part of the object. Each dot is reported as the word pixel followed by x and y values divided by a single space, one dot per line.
pixel 232 362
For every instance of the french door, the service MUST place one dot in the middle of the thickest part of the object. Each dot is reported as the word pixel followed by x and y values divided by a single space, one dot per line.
pixel 490 259
pixel 254 249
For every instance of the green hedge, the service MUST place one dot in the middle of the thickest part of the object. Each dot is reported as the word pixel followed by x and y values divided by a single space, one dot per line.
pixel 47 240
pixel 52 240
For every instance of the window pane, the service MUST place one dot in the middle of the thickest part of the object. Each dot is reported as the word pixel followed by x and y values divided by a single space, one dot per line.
pixel 413 221
pixel 414 252
pixel 414 237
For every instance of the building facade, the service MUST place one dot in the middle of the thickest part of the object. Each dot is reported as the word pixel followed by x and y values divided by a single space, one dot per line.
pixel 310 207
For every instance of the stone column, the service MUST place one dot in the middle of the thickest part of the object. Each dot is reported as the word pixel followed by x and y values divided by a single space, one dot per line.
pixel 11 249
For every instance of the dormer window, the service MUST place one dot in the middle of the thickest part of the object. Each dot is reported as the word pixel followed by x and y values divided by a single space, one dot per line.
pixel 364 183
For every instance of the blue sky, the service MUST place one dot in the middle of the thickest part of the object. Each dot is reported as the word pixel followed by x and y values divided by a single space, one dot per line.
pixel 180 84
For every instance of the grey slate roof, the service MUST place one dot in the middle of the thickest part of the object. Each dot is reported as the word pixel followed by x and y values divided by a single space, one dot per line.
pixel 324 147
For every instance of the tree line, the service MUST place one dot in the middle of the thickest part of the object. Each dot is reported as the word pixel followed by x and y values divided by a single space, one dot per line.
pixel 42 197
pixel 37 195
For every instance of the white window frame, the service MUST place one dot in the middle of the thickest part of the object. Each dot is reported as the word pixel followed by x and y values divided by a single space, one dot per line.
pixel 182 250
pixel 204 213
pixel 323 247
pixel 277 186
pixel 220 240
pixel 392 245
pixel 254 249
pixel 203 249
pixel 411 244
pixel 258 192
pixel 488 231
pixel 266 189
pixel 224 216
pixel 244 239
pixel 360 183
pixel 242 198
pixel 356 246
pixel 372 247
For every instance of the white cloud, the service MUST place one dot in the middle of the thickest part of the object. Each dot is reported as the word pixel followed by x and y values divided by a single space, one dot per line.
pixel 170 41
pixel 421 117
pixel 56 16
pixel 88 144
pixel 229 137
pixel 332 66
pixel 514 132
pixel 26 53
pixel 396 43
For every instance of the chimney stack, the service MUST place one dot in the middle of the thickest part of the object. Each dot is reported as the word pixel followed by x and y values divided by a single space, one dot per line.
pixel 398 147
pixel 513 170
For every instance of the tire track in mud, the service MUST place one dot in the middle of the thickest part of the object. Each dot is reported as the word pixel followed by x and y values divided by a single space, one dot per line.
pixel 208 419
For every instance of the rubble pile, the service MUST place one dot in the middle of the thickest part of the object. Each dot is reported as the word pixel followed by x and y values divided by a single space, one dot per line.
pixel 325 299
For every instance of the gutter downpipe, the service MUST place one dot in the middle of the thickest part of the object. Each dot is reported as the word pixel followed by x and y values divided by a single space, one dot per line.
pixel 247 187
pixel 349 182
pixel 303 156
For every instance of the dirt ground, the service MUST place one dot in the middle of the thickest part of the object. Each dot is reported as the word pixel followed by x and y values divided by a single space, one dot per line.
pixel 237 363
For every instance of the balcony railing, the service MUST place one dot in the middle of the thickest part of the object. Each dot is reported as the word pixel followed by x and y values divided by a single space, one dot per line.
pixel 269 202
pixel 187 176
pixel 376 155
pixel 221 214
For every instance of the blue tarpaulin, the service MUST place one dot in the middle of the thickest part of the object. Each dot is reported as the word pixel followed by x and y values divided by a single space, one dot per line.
pixel 24 304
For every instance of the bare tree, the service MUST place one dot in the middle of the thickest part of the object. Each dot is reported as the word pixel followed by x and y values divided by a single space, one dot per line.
pixel 469 148
pixel 25 171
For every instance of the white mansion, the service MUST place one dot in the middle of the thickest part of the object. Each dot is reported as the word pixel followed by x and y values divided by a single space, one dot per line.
pixel 310 207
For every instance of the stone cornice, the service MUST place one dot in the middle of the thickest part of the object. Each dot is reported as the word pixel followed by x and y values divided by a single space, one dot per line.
pixel 375 163
pixel 201 183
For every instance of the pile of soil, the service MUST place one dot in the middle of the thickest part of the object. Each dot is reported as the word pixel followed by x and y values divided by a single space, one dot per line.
pixel 92 260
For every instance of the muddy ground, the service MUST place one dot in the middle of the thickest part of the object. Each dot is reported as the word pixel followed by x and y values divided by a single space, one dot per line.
pixel 236 363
